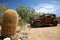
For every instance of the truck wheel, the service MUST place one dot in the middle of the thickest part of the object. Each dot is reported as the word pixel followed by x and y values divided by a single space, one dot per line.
pixel 54 23
pixel 38 24
pixel 32 25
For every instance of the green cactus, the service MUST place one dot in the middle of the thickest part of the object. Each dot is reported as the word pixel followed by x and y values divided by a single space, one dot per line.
pixel 9 23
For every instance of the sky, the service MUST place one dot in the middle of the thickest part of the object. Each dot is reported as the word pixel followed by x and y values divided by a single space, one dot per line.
pixel 45 6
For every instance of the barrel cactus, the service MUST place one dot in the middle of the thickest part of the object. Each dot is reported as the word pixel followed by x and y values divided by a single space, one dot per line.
pixel 9 23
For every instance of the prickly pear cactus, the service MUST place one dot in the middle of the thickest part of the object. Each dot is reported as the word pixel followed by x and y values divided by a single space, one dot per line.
pixel 9 23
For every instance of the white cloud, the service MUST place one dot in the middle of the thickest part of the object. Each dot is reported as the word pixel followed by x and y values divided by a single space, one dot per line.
pixel 45 8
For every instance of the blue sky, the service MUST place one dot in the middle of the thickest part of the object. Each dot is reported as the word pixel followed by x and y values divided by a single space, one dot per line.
pixel 45 6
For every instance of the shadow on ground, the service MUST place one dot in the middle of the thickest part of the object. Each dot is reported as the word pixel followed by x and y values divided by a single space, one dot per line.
pixel 42 26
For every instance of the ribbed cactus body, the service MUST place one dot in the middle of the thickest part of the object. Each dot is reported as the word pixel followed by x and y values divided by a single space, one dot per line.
pixel 9 23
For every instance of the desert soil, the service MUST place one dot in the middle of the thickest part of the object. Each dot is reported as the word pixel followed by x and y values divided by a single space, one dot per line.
pixel 44 33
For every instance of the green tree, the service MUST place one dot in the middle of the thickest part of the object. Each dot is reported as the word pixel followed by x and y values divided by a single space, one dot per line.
pixel 26 13
pixel 2 9
pixel 23 12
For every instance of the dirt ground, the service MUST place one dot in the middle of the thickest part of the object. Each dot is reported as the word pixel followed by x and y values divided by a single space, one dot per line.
pixel 45 33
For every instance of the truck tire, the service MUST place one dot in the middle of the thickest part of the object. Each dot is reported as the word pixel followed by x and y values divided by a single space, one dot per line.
pixel 38 24
pixel 55 23
pixel 31 24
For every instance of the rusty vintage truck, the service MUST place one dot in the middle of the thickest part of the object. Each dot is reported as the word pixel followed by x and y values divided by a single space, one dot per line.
pixel 45 19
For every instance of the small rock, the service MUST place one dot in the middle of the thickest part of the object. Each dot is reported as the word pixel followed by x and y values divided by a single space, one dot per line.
pixel 7 38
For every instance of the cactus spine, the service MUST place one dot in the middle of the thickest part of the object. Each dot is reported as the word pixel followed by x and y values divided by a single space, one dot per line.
pixel 9 23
